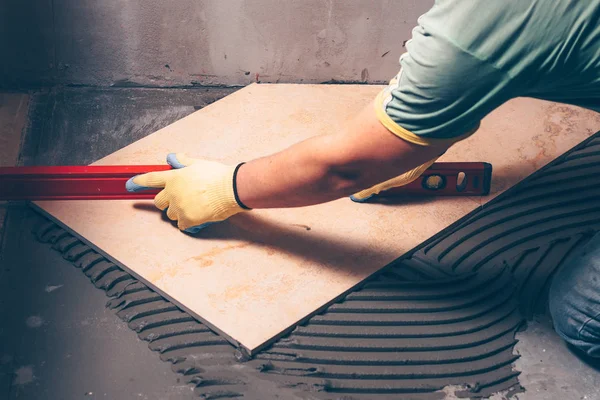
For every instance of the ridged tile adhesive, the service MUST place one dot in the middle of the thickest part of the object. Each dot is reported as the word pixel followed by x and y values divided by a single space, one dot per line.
pixel 444 315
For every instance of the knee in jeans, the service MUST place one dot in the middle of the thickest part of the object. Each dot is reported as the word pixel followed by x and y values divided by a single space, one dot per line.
pixel 562 314
pixel 578 327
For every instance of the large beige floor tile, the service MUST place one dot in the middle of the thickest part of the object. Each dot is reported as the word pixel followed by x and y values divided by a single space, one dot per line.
pixel 256 275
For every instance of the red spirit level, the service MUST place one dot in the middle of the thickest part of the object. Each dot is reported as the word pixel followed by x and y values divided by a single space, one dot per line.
pixel 449 179
pixel 108 182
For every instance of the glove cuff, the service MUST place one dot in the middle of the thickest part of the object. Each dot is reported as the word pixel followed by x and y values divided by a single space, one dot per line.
pixel 235 192
pixel 401 180
pixel 222 196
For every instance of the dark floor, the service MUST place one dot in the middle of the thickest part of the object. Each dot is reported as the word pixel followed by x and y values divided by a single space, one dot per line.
pixel 59 341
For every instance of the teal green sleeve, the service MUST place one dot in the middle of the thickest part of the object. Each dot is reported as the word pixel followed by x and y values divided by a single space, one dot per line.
pixel 443 91
pixel 468 57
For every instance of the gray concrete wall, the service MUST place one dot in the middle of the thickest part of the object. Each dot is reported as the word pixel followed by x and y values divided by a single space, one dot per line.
pixel 195 42
pixel 26 42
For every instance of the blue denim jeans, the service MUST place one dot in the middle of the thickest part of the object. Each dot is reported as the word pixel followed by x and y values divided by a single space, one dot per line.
pixel 575 299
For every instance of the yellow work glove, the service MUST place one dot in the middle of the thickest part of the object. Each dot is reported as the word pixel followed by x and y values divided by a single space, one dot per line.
pixel 401 180
pixel 196 193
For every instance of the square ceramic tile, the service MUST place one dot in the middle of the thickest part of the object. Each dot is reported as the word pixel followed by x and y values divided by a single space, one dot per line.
pixel 256 275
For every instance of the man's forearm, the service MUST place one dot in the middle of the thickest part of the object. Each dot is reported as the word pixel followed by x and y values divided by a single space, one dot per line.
pixel 295 177
pixel 324 168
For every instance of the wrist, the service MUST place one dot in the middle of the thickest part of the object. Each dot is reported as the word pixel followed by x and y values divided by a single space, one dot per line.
pixel 235 190
pixel 221 195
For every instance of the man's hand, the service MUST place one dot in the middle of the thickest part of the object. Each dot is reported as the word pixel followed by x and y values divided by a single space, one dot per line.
pixel 196 193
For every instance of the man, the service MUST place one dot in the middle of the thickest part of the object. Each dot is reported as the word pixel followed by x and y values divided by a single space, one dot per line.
pixel 466 58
